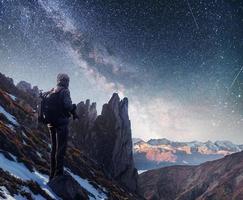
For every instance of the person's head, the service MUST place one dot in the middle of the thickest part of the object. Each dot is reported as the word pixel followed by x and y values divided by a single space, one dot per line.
pixel 63 80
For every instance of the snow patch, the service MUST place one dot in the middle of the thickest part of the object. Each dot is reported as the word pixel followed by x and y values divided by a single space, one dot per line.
pixel 185 162
pixel 13 157
pixel 20 171
pixel 39 154
pixel 227 145
pixel 16 169
pixel 97 193
pixel 12 97
pixel 10 117
pixel 24 134
pixel 8 196
pixel 141 171
pixel 34 196
pixel 6 193
pixel 10 126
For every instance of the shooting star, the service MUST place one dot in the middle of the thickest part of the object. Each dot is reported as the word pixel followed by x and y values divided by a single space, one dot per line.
pixel 190 8
pixel 237 75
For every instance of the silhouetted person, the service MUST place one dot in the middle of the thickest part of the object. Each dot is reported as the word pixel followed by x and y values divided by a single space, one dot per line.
pixel 57 121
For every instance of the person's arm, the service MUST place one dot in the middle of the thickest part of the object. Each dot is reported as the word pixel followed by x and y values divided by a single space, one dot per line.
pixel 67 100
pixel 71 108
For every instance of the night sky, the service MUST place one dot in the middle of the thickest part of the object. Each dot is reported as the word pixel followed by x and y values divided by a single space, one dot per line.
pixel 179 62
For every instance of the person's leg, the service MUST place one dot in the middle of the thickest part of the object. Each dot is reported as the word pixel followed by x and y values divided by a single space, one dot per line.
pixel 62 137
pixel 52 131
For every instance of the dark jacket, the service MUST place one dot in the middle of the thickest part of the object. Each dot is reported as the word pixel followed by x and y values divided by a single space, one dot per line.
pixel 67 105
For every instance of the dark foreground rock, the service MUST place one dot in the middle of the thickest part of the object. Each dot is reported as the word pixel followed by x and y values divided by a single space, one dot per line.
pixel 113 142
pixel 67 188
pixel 81 129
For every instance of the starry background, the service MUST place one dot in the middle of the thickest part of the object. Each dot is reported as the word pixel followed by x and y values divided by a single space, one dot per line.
pixel 179 62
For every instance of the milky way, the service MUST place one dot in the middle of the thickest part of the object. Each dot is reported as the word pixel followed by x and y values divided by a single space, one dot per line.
pixel 179 62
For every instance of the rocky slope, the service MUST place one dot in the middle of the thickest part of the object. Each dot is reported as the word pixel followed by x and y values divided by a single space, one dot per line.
pixel 157 153
pixel 24 156
pixel 220 179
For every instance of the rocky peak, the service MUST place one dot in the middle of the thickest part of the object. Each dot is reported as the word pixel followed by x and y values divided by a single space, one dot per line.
pixel 136 140
pixel 113 125
pixel 23 85
pixel 26 87
pixel 109 135
pixel 162 141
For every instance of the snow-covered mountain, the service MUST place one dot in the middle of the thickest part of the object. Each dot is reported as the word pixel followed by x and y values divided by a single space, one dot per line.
pixel 156 153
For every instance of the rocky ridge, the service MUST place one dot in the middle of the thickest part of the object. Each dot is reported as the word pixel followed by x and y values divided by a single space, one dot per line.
pixel 220 179
pixel 24 156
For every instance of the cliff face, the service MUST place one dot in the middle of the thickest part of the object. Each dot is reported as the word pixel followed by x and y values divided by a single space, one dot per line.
pixel 113 142
pixel 107 139
pixel 219 179
pixel 25 151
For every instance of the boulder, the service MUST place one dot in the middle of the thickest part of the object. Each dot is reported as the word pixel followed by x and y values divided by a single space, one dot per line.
pixel 67 188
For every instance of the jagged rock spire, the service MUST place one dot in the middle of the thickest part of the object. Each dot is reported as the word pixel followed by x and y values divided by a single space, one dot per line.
pixel 108 139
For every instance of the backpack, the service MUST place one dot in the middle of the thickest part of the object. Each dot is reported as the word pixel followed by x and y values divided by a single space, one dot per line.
pixel 50 107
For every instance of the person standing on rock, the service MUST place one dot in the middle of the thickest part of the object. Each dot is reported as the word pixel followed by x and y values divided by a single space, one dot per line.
pixel 57 108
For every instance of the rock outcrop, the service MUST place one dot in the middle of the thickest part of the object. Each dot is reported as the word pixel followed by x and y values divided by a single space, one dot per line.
pixel 113 142
pixel 67 188
pixel 80 130
pixel 8 86
pixel 26 87
pixel 107 139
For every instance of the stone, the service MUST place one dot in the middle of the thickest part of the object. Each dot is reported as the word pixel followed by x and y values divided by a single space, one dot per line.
pixel 67 188
pixel 107 139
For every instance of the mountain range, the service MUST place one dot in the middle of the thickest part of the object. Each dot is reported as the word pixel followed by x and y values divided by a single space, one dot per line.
pixel 156 153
